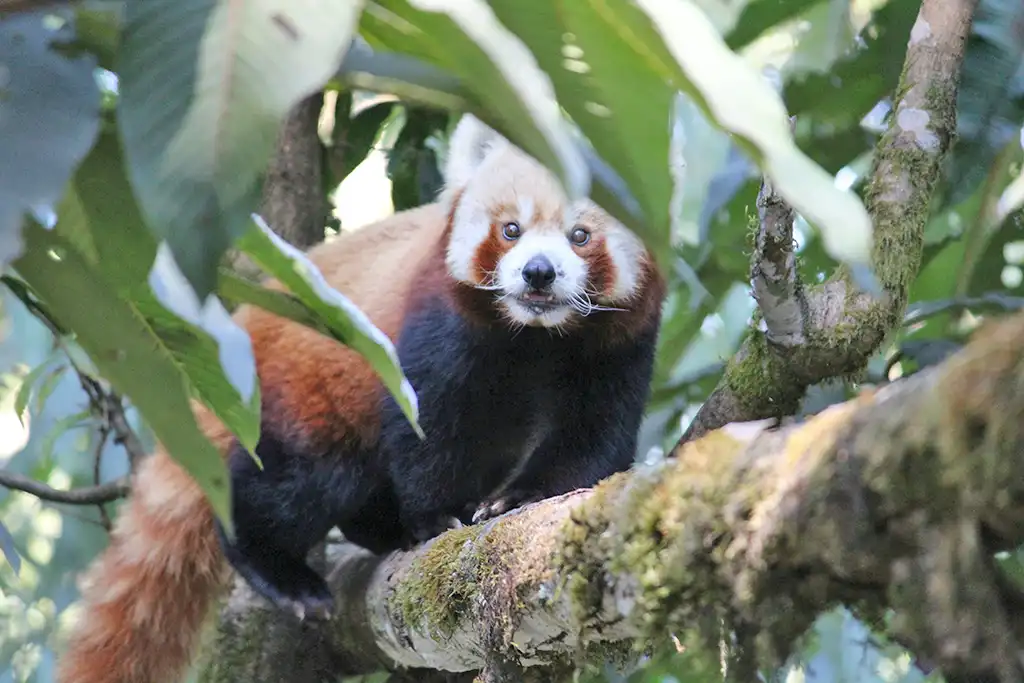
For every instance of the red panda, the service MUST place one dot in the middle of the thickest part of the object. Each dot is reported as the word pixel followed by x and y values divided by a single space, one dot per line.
pixel 526 323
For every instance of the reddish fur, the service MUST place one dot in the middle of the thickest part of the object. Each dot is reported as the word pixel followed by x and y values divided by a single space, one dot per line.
pixel 600 268
pixel 153 585
pixel 490 252
pixel 163 568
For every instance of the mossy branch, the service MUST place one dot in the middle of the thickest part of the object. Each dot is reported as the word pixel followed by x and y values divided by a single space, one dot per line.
pixel 897 499
pixel 841 325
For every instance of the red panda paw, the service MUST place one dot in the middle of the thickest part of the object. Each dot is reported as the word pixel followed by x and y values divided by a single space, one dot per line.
pixel 424 530
pixel 308 607
pixel 510 500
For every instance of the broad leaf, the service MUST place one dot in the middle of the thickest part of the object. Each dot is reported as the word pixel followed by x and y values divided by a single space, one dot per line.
pixel 99 216
pixel 370 65
pixel 127 352
pixel 205 85
pixel 49 109
pixel 606 84
pixel 466 38
pixel 760 15
pixel 346 322
pixel 742 102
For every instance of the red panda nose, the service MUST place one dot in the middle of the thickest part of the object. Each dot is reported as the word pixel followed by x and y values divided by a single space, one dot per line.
pixel 539 272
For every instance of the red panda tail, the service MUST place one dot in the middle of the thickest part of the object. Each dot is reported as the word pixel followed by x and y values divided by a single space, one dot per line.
pixel 146 598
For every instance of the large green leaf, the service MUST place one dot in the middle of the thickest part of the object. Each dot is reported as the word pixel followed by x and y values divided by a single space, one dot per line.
pixel 990 98
pixel 607 86
pixel 204 86
pixel 345 321
pixel 126 351
pixel 49 108
pixel 761 15
pixel 100 218
pixel 466 38
pixel 742 102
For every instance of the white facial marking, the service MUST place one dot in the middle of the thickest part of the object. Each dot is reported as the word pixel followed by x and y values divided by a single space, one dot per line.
pixel 627 251
pixel 628 254
pixel 470 228
pixel 570 277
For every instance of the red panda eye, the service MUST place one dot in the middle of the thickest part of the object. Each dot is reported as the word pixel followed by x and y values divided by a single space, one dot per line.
pixel 579 236
pixel 511 230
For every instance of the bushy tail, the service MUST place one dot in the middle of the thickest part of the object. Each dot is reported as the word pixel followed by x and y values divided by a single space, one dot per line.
pixel 146 597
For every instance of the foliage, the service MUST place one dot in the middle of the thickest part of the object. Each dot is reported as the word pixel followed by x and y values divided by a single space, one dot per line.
pixel 119 197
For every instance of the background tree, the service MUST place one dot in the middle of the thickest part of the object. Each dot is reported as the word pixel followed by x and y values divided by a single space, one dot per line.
pixel 137 138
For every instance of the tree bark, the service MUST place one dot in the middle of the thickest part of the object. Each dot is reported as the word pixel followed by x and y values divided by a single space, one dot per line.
pixel 837 325
pixel 898 498
pixel 294 203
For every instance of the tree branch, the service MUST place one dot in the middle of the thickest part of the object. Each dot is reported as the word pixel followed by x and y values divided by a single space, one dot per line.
pixel 898 498
pixel 774 279
pixel 91 495
pixel 841 325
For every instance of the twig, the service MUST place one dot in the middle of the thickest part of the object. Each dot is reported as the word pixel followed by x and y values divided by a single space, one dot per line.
pixel 848 325
pixel 91 495
pixel 97 462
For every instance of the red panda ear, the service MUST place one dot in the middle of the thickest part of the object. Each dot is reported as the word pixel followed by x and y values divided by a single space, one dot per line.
pixel 470 144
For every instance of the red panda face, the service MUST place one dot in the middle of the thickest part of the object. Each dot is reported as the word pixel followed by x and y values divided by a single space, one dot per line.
pixel 547 260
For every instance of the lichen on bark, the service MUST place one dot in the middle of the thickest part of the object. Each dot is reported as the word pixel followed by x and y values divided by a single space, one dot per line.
pixel 846 325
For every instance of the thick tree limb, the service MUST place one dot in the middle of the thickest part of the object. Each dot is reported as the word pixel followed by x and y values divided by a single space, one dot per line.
pixel 842 327
pixel 895 499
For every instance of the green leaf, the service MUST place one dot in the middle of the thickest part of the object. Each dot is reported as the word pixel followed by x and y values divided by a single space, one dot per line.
pixel 98 28
pixel 412 165
pixel 204 87
pixel 49 115
pixel 100 217
pixel 606 83
pixel 354 137
pixel 990 98
pixel 237 290
pixel 742 102
pixel 127 353
pixel 347 323
pixel 510 91
pixel 8 549
pixel 47 386
pixel 761 15
pixel 28 383
pixel 369 66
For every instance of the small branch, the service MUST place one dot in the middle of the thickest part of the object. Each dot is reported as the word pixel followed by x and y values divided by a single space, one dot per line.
pixel 774 279
pixel 92 495
pixel 841 325
pixel 896 499
pixel 97 466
